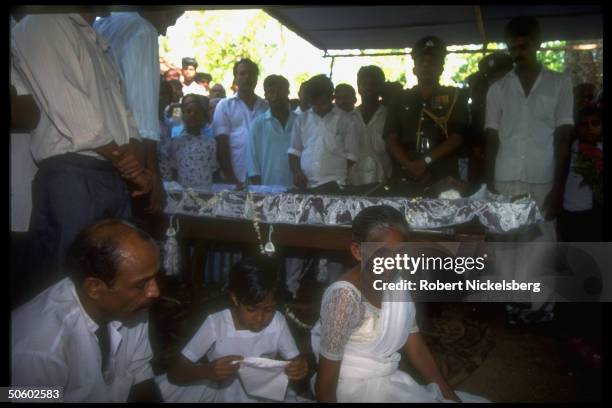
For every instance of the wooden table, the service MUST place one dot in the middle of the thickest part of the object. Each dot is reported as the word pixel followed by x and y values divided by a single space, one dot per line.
pixel 203 231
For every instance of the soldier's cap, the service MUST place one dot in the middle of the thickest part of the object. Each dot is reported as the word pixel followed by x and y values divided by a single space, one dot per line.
pixel 429 45
pixel 495 62
pixel 189 61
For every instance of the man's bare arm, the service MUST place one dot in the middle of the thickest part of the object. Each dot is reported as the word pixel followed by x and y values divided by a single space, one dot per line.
pixel 224 155
pixel 448 147
pixel 395 149
pixel 553 201
pixel 24 113
pixel 299 178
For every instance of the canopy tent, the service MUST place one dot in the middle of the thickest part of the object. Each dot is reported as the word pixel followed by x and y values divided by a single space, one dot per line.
pixel 385 27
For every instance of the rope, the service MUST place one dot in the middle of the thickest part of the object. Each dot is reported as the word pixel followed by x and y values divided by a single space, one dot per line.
pixel 441 121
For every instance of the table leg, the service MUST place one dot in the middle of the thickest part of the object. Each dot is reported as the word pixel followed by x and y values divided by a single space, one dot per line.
pixel 198 260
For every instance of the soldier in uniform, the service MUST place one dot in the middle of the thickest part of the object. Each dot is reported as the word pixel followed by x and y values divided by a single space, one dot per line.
pixel 426 127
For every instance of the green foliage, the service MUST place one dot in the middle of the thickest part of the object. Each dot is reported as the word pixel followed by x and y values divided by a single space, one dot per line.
pixel 219 38
pixel 552 59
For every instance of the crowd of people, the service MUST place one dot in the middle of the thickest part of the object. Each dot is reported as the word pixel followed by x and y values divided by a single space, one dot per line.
pixel 105 130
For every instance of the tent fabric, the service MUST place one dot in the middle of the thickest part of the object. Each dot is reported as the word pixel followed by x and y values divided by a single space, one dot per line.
pixel 385 27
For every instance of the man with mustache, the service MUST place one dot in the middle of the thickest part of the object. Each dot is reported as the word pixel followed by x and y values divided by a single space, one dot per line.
pixel 89 333
pixel 529 117
pixel 426 126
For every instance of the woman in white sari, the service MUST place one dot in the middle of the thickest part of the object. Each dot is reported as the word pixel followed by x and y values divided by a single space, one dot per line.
pixel 360 334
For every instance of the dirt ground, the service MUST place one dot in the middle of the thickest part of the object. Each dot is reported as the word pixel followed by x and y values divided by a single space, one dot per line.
pixel 524 364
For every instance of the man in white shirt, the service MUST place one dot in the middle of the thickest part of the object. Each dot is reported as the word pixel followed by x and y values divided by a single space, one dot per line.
pixel 529 115
pixel 135 50
pixel 190 86
pixel 324 140
pixel 374 163
pixel 86 144
pixel 232 122
pixel 88 333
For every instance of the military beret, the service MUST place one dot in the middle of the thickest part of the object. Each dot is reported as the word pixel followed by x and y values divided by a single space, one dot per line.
pixel 429 45
pixel 189 61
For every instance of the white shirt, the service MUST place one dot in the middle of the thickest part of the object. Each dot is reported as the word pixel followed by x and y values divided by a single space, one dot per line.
pixel 134 48
pixel 577 197
pixel 526 126
pixel 374 163
pixel 194 88
pixel 218 337
pixel 23 169
pixel 324 144
pixel 53 344
pixel 233 118
pixel 75 84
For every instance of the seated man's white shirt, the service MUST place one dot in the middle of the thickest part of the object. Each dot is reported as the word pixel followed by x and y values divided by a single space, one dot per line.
pixel 233 118
pixel 134 48
pixel 53 344
pixel 75 83
pixel 526 126
pixel 374 163
pixel 324 144
pixel 218 337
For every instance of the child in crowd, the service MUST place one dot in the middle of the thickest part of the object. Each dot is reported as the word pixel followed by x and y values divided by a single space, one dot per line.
pixel 172 111
pixel 191 159
pixel 582 217
pixel 251 327
pixel 345 97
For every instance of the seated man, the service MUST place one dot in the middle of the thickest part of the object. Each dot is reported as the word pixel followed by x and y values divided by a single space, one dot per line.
pixel 324 140
pixel 89 332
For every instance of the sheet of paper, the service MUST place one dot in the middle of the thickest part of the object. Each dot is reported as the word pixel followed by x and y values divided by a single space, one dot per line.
pixel 264 377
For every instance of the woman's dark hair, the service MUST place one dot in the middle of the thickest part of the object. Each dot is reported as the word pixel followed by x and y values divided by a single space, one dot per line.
pixel 253 278
pixel 376 219
pixel 524 26
pixel 201 100
pixel 319 85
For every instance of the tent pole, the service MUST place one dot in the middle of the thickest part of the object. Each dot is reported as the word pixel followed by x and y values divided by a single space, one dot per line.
pixel 481 29
pixel 331 68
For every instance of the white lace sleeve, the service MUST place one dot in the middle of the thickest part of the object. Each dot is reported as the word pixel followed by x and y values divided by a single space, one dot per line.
pixel 341 314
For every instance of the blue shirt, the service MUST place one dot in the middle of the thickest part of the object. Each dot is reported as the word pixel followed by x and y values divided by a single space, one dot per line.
pixel 268 145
